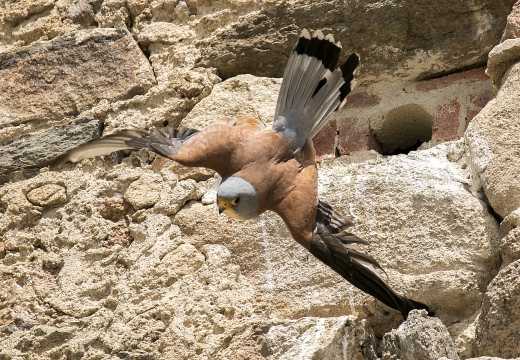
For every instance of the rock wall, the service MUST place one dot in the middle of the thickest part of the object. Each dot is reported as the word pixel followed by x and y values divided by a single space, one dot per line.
pixel 126 257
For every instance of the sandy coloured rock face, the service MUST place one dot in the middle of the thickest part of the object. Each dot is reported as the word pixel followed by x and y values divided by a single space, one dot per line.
pixel 493 148
pixel 125 256
pixel 71 73
pixel 419 337
pixel 499 315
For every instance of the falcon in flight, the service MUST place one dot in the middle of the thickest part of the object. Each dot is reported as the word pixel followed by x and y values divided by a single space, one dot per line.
pixel 274 169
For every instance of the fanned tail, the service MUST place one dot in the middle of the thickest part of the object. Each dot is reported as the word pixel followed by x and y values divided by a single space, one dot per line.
pixel 339 249
pixel 312 87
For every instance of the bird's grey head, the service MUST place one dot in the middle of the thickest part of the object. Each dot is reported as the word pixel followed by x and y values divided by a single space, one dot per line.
pixel 237 198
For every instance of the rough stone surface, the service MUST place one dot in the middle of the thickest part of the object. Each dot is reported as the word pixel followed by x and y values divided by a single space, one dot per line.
pixel 338 338
pixel 70 73
pixel 239 96
pixel 501 58
pixel 512 30
pixel 126 257
pixel 510 247
pixel 41 147
pixel 500 317
pixel 47 195
pixel 479 358
pixel 429 210
pixel 495 155
pixel 228 275
pixel 419 337
pixel 510 242
pixel 419 28
pixel 144 192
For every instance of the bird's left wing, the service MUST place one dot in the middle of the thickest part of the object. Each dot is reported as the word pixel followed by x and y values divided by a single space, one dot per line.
pixel 323 232
pixel 336 247
pixel 209 148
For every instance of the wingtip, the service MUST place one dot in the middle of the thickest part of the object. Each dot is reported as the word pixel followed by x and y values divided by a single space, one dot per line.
pixel 415 305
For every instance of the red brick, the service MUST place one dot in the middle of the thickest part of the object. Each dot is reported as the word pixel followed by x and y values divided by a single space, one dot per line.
pixel 324 141
pixel 434 84
pixel 361 100
pixel 446 121
pixel 480 100
pixel 355 136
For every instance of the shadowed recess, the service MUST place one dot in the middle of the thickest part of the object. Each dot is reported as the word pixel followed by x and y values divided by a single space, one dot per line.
pixel 404 129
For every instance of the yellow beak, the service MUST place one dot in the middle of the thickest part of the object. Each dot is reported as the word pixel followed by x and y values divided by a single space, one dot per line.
pixel 223 205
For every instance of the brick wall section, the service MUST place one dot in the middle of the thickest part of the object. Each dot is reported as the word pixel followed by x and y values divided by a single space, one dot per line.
pixel 477 103
pixel 355 135
pixel 451 100
pixel 325 141
pixel 446 121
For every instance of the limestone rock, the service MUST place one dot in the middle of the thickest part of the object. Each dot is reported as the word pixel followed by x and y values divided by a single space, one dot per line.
pixel 193 277
pixel 438 39
pixel 86 275
pixel 23 22
pixel 500 318
pixel 419 337
pixel 48 195
pixel 68 74
pixel 510 247
pixel 512 29
pixel 494 155
pixel 501 58
pixel 419 206
pixel 479 358
pixel 41 147
pixel 113 208
pixel 144 192
pixel 510 242
pixel 243 95
pixel 319 338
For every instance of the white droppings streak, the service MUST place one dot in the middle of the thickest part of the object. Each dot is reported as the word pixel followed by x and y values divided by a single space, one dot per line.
pixel 270 284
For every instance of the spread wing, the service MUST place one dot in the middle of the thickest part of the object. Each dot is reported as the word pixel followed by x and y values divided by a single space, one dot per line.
pixel 312 87
pixel 211 147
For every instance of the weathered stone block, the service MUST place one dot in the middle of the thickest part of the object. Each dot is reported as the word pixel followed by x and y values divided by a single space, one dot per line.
pixel 64 76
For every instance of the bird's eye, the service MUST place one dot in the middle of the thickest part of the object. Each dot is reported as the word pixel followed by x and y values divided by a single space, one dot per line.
pixel 235 201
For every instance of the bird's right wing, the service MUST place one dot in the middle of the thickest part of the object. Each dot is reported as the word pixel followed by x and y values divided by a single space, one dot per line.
pixel 211 147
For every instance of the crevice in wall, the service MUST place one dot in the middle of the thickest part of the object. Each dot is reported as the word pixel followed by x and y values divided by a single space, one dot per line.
pixel 404 129
pixel 441 74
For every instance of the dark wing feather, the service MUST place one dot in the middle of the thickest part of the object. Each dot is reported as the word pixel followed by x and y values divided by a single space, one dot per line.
pixel 211 148
pixel 339 249
pixel 156 141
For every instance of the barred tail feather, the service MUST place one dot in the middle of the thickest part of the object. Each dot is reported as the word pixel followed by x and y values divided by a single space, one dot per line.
pixel 312 88
pixel 343 80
